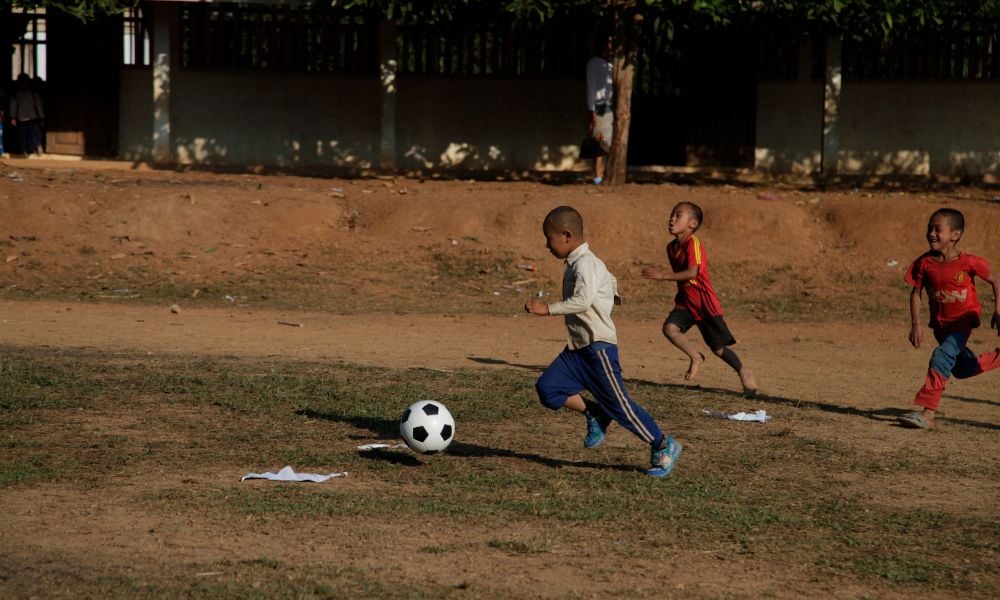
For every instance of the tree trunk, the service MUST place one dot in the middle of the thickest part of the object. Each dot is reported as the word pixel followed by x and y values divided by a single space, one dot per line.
pixel 627 28
pixel 832 93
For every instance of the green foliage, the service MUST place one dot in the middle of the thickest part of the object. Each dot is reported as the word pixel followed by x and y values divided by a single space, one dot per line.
pixel 84 10
pixel 855 17
pixel 860 18
pixel 868 18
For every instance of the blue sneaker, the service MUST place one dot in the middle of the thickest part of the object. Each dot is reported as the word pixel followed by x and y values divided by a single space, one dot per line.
pixel 595 431
pixel 662 461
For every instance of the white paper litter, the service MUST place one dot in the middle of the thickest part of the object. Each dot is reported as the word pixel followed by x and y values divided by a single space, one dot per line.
pixel 759 416
pixel 289 474
pixel 377 446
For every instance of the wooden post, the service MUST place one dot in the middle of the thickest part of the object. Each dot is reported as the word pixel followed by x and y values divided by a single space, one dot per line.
pixel 832 85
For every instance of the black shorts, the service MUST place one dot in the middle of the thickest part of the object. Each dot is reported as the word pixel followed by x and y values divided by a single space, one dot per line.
pixel 713 330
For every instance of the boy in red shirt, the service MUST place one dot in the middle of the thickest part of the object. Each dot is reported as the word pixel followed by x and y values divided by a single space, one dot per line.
pixel 696 302
pixel 948 275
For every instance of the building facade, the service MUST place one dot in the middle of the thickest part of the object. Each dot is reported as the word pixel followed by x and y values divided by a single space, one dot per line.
pixel 296 84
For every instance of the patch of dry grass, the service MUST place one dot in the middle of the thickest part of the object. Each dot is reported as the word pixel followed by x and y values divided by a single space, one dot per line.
pixel 794 504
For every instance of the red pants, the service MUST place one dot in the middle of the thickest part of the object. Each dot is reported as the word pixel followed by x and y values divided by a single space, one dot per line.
pixel 952 357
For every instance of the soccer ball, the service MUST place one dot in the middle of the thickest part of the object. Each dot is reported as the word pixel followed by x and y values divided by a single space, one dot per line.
pixel 427 427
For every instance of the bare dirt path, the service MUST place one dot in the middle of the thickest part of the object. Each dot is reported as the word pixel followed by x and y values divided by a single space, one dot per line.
pixel 866 367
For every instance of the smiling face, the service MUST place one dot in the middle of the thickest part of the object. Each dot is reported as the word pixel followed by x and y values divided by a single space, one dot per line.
pixel 941 237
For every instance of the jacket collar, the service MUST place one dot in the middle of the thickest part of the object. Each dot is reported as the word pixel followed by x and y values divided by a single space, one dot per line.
pixel 577 253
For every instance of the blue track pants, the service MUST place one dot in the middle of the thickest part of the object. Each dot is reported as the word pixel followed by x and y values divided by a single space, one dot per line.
pixel 595 369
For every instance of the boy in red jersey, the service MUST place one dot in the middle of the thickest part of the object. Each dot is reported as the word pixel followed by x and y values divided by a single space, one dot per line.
pixel 696 302
pixel 948 275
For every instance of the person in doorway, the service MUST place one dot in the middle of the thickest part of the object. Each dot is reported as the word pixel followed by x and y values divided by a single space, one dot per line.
pixel 27 116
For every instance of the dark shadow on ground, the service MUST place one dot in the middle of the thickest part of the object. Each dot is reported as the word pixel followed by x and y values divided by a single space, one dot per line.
pixel 973 400
pixel 387 429
pixel 497 361
pixel 384 429
pixel 468 450
pixel 889 414
pixel 968 423
pixel 396 457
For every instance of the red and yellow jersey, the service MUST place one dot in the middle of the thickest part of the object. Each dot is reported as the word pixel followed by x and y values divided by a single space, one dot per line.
pixel 695 295
pixel 951 289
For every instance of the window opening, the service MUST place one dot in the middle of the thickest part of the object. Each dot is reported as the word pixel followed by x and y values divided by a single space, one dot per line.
pixel 135 39
pixel 29 51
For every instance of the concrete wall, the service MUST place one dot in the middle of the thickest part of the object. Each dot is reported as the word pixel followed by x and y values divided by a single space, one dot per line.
pixel 936 128
pixel 949 128
pixel 280 119
pixel 490 124
pixel 789 127
pixel 220 118
pixel 135 115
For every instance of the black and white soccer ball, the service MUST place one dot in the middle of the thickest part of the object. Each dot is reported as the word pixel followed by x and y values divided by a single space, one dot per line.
pixel 427 427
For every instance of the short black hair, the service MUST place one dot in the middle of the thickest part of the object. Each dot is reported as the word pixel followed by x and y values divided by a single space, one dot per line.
pixel 599 37
pixel 565 217
pixel 695 211
pixel 956 220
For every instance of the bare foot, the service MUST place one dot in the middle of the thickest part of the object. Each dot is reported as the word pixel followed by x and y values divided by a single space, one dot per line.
pixel 749 381
pixel 693 367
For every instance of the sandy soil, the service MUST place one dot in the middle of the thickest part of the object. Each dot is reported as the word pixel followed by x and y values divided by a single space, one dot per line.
pixel 382 260
pixel 880 367
pixel 72 233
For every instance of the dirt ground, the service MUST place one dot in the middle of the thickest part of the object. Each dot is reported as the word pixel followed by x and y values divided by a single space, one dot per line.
pixel 407 272
pixel 810 266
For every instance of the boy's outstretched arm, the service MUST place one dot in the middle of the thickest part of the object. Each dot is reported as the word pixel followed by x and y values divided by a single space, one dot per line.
pixel 916 333
pixel 664 275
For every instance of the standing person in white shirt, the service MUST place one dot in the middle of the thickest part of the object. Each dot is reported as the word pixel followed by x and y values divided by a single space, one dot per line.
pixel 590 360
pixel 600 92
